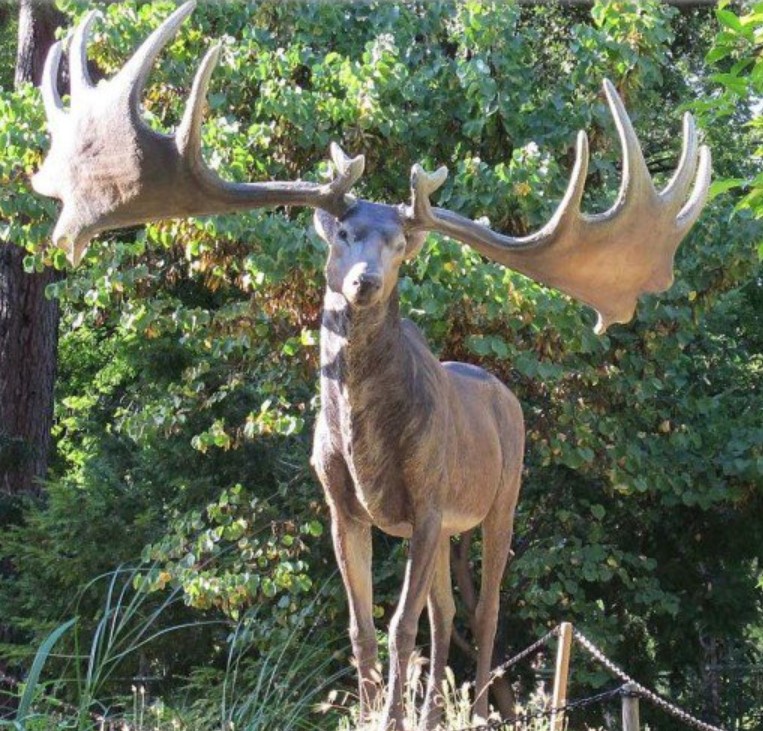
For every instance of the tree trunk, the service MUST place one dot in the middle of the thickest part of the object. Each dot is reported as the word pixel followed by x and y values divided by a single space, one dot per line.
pixel 28 320
pixel 38 21
pixel 28 340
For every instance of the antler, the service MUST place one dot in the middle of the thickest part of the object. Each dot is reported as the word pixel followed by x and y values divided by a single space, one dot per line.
pixel 111 170
pixel 605 260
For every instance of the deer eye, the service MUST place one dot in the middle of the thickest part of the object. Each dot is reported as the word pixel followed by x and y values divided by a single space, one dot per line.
pixel 342 235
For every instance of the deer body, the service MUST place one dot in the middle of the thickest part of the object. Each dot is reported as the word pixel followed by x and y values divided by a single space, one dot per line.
pixel 397 416
pixel 409 419
pixel 418 448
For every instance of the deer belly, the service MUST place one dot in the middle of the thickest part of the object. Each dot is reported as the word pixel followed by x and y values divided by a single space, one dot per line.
pixel 455 521
pixel 384 499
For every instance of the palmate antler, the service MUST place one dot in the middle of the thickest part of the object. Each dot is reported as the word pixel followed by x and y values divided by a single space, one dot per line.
pixel 111 170
pixel 605 260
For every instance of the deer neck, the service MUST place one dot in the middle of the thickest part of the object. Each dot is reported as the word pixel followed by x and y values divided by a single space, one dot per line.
pixel 362 353
pixel 367 402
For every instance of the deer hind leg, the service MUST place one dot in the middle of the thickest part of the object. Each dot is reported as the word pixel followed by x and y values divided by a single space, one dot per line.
pixel 442 609
pixel 419 571
pixel 496 546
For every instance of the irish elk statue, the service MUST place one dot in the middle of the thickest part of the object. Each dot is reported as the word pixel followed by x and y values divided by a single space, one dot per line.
pixel 421 449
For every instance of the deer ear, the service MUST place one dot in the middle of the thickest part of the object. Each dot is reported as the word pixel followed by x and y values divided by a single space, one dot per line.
pixel 414 242
pixel 325 224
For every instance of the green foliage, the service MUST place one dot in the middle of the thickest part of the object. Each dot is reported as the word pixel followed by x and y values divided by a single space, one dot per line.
pixel 279 690
pixel 24 218
pixel 8 32
pixel 188 350
pixel 739 77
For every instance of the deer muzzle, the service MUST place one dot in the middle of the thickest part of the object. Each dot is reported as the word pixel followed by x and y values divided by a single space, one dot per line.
pixel 363 286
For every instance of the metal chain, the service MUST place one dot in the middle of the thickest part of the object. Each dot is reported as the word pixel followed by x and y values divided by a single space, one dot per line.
pixel 499 725
pixel 641 690
pixel 531 650
pixel 498 670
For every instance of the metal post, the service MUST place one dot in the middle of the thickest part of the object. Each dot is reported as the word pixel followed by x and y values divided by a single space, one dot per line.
pixel 560 676
pixel 630 696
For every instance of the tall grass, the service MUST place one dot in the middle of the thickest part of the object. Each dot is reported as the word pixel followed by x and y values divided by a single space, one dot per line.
pixel 279 689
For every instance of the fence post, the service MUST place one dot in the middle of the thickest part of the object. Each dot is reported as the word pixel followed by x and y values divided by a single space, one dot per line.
pixel 629 694
pixel 560 676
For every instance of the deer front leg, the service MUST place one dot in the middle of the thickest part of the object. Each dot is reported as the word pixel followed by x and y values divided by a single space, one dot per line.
pixel 352 546
pixel 419 571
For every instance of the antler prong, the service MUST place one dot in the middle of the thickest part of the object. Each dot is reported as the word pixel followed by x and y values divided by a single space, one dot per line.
pixel 690 212
pixel 79 76
pixel 134 73
pixel 348 169
pixel 675 191
pixel 636 180
pixel 54 107
pixel 569 207
pixel 423 184
pixel 188 135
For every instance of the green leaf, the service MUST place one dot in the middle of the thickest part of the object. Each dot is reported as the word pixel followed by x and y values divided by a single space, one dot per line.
pixel 727 18
pixel 30 686
pixel 718 187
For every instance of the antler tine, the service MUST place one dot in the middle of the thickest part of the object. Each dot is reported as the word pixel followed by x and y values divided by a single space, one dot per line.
pixel 690 212
pixel 636 180
pixel 423 184
pixel 348 172
pixel 135 72
pixel 54 107
pixel 568 209
pixel 188 135
pixel 79 76
pixel 349 169
pixel 675 191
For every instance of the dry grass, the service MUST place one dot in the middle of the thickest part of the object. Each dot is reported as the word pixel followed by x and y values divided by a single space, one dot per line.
pixel 457 712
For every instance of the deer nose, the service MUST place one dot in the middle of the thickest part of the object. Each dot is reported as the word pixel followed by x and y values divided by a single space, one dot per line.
pixel 366 283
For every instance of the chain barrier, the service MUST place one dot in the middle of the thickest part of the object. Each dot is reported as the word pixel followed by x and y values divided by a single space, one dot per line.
pixel 641 690
pixel 512 723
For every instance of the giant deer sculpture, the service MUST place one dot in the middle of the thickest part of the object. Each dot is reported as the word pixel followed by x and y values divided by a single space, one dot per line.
pixel 420 449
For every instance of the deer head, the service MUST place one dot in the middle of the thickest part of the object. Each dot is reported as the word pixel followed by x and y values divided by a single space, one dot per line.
pixel 370 241
pixel 111 170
